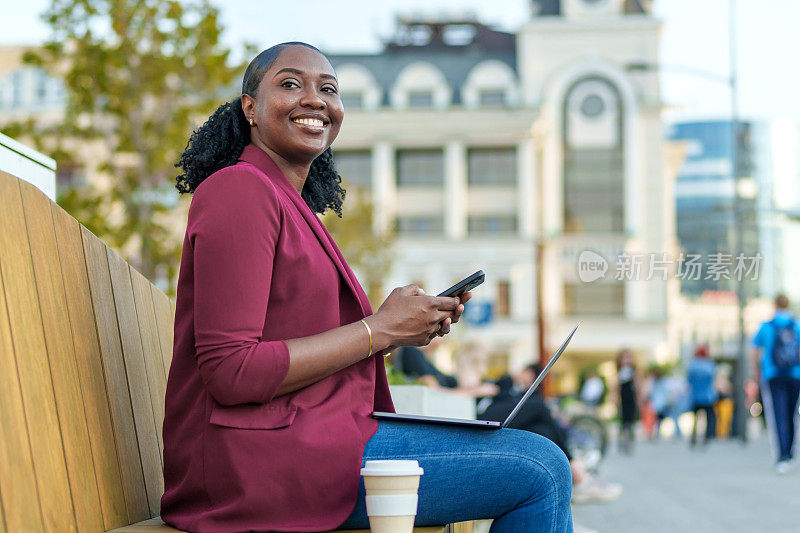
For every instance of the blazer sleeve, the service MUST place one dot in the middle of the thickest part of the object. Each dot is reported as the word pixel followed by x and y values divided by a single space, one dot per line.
pixel 233 223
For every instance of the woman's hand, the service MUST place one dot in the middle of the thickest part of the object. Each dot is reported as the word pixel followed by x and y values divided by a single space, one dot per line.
pixel 444 327
pixel 409 317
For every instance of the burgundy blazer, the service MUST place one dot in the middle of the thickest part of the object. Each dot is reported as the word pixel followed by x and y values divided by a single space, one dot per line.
pixel 258 267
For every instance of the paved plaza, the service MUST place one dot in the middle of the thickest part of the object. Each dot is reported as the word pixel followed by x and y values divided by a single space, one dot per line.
pixel 724 488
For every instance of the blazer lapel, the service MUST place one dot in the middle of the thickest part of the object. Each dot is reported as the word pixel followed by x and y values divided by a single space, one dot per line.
pixel 263 162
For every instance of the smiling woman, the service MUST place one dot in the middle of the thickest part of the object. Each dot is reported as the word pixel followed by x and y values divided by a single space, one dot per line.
pixel 218 143
pixel 278 359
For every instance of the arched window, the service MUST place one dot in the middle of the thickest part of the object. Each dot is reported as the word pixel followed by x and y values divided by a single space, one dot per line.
pixel 357 87
pixel 421 85
pixel 490 83
pixel 594 138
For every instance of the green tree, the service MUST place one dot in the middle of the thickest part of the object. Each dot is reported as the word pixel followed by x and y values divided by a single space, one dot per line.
pixel 139 75
pixel 367 252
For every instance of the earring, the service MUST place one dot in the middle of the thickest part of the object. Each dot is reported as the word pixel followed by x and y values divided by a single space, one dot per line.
pixel 252 122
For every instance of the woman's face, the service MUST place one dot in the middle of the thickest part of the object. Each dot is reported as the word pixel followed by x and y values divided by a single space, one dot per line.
pixel 297 111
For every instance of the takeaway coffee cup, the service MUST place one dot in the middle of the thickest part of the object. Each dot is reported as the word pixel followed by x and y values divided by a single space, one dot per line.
pixel 391 495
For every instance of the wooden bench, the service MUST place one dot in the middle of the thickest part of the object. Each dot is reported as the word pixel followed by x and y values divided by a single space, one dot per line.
pixel 85 347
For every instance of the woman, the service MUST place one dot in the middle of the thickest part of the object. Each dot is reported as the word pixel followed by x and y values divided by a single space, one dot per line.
pixel 278 359
pixel 628 406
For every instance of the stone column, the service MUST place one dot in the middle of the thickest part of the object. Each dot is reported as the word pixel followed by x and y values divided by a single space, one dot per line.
pixel 527 189
pixel 384 186
pixel 455 190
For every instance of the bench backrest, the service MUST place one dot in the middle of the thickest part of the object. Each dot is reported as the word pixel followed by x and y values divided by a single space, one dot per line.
pixel 85 345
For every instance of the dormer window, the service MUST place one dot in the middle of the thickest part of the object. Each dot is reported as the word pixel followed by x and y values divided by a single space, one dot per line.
pixel 492 97
pixel 352 99
pixel 421 85
pixel 357 87
pixel 490 83
pixel 420 98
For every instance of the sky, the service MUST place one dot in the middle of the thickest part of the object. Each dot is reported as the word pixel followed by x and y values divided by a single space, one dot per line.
pixel 695 35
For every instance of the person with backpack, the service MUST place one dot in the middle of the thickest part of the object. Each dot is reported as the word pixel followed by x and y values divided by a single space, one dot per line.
pixel 775 368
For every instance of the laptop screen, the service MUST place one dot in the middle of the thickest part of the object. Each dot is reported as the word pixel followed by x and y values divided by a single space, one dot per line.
pixel 540 377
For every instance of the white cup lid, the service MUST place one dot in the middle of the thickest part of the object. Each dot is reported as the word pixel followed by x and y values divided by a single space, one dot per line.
pixel 392 467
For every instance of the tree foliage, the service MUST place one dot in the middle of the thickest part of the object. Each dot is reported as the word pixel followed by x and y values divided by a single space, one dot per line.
pixel 369 253
pixel 139 75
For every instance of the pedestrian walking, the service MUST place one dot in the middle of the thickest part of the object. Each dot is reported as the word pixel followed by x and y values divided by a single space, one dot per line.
pixel 775 367
pixel 659 400
pixel 700 375
pixel 627 399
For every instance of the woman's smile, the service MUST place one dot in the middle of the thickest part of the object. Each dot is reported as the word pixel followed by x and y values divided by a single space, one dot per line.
pixel 313 124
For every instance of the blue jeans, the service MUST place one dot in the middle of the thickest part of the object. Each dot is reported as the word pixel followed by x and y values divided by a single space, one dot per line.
pixel 520 479
pixel 782 393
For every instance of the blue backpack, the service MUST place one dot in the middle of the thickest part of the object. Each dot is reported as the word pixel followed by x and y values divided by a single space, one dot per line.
pixel 786 350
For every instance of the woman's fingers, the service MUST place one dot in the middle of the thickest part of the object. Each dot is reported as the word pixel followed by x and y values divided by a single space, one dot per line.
pixel 439 316
pixel 445 303
pixel 464 298
pixel 458 312
pixel 412 290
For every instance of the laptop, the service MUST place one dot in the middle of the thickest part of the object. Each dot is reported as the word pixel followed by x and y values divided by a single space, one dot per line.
pixel 484 424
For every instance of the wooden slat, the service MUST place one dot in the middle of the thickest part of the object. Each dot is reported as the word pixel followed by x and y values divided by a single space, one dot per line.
pixel 32 365
pixel 154 363
pixel 61 355
pixel 137 379
pixel 165 325
pixel 17 483
pixel 90 369
pixel 116 378
pixel 2 511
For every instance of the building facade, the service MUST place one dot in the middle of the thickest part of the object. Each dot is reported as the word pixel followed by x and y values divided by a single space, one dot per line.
pixel 481 147
pixel 521 154
pixel 769 199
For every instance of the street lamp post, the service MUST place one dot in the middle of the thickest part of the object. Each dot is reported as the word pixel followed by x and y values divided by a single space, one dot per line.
pixel 731 81
pixel 740 414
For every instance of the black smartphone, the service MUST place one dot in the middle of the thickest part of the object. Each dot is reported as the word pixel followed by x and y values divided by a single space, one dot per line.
pixel 466 284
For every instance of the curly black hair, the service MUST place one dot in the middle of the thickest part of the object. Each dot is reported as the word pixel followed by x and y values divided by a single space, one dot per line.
pixel 219 142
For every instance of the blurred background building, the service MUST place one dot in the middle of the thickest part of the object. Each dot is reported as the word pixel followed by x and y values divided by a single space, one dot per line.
pixel 516 152
pixel 769 191
pixel 481 147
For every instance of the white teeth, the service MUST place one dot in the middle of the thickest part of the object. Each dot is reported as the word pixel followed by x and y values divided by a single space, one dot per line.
pixel 309 122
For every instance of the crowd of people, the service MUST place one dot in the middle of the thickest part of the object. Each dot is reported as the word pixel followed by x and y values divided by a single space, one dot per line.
pixel 698 395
